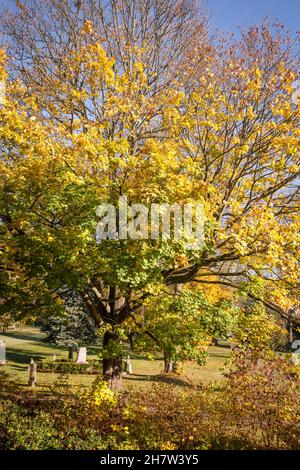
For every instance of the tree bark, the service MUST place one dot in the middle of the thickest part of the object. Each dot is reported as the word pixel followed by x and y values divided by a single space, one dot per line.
pixel 168 364
pixel 70 353
pixel 112 366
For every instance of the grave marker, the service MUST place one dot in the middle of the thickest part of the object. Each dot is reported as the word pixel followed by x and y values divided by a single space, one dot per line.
pixel 32 373
pixel 128 365
pixel 81 356
pixel 2 353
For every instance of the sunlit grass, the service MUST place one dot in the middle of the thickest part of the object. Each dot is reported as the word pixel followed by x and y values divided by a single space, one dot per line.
pixel 27 343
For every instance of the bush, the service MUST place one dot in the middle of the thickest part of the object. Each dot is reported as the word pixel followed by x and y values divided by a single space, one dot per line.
pixel 23 430
pixel 63 366
pixel 257 407
pixel 263 400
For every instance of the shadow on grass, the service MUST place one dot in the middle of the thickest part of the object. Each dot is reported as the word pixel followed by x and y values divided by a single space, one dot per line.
pixel 23 357
pixel 26 336
pixel 20 368
pixel 94 350
pixel 160 378
pixel 137 377
pixel 171 379
pixel 217 356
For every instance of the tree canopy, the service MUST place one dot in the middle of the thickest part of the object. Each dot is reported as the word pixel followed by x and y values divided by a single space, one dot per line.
pixel 98 107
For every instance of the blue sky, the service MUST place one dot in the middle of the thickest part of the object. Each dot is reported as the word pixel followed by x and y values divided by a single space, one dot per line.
pixel 229 14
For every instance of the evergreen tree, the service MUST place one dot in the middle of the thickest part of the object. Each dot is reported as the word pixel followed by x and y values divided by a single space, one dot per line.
pixel 76 327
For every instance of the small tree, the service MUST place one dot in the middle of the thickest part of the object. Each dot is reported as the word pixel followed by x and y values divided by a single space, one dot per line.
pixel 6 320
pixel 182 326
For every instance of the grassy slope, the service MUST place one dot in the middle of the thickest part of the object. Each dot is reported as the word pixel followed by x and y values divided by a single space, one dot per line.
pixel 27 343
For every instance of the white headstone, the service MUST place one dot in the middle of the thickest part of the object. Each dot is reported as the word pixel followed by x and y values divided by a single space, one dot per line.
pixel 32 373
pixel 296 352
pixel 296 359
pixel 81 356
pixel 2 353
pixel 128 365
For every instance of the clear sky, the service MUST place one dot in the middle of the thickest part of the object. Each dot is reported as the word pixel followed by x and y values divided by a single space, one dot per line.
pixel 228 14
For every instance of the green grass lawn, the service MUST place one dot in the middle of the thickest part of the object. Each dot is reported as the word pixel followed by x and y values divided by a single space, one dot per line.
pixel 26 343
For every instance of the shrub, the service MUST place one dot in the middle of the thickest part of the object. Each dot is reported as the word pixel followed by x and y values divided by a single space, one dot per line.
pixel 63 366
pixel 257 407
pixel 263 400
pixel 20 429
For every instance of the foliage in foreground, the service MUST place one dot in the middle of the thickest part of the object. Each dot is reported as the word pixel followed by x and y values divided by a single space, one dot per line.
pixel 257 407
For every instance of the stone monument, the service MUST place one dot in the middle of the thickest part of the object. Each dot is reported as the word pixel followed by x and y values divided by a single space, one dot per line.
pixel 2 353
pixel 81 356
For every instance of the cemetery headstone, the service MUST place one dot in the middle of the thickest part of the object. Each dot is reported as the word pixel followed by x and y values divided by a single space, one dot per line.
pixel 128 365
pixel 32 373
pixel 2 353
pixel 296 359
pixel 81 356
pixel 296 352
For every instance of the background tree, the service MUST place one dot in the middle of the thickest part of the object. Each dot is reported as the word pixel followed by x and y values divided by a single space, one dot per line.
pixel 182 325
pixel 76 328
pixel 245 137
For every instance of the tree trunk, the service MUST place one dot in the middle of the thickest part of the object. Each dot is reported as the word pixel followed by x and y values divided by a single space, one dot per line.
pixel 168 364
pixel 130 338
pixel 291 334
pixel 70 353
pixel 112 366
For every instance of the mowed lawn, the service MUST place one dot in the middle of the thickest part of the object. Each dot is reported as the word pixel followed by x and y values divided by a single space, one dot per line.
pixel 26 343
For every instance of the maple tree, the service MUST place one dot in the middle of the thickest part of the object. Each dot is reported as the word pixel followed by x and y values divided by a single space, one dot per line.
pixel 97 110
pixel 181 325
